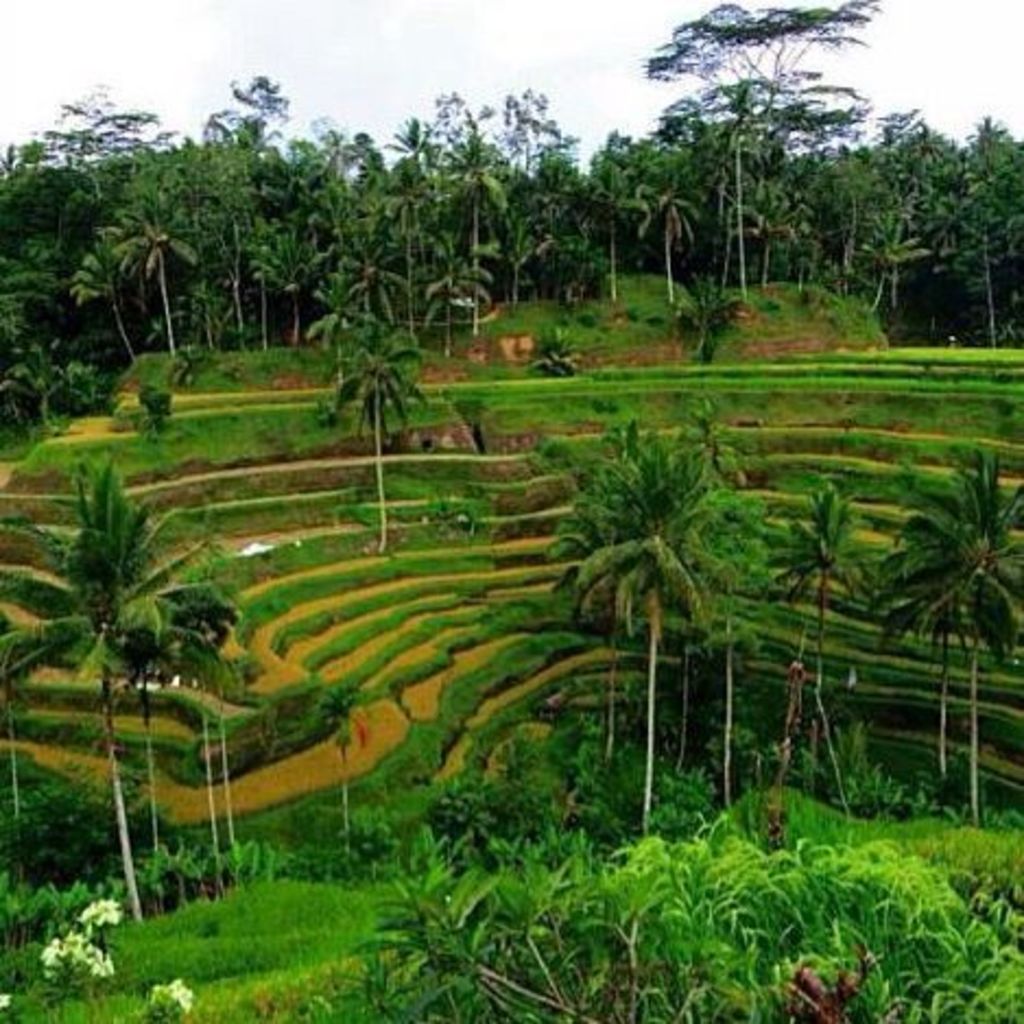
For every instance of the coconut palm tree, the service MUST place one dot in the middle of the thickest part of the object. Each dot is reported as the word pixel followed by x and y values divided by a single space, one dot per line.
pixel 99 277
pixel 655 499
pixel 379 375
pixel 147 239
pixel 964 553
pixel 707 309
pixel 117 584
pixel 612 198
pixel 456 282
pixel 581 534
pixel 34 378
pixel 408 192
pixel 818 556
pixel 663 202
pixel 337 708
pixel 287 263
pixel 918 600
pixel 473 171
pixel 374 287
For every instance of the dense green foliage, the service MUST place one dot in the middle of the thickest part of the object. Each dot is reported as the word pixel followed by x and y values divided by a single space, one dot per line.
pixel 117 239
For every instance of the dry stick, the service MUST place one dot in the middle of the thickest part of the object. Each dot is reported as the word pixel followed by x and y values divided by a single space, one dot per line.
pixel 493 980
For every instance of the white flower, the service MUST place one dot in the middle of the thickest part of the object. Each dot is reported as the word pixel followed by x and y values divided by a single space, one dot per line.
pixel 101 914
pixel 75 955
pixel 175 996
pixel 5 1003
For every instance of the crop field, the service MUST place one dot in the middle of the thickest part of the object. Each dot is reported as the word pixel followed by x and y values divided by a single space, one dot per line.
pixel 457 637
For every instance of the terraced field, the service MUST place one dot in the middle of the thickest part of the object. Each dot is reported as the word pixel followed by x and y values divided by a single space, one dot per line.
pixel 456 638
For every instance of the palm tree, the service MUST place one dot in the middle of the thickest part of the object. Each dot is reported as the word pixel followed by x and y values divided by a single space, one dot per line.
pixel 518 247
pixel 663 202
pixel 706 308
pixel 818 556
pixel 611 197
pixel 117 583
pixel 288 263
pixel 965 553
pixel 654 499
pixel 17 659
pixel 35 377
pixel 374 287
pixel 890 252
pixel 99 277
pixel 457 282
pixel 473 169
pixel 409 190
pixel 919 600
pixel 581 534
pixel 147 238
pixel 337 708
pixel 380 375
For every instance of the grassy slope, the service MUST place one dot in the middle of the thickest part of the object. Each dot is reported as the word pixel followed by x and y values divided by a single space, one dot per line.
pixel 244 464
pixel 263 955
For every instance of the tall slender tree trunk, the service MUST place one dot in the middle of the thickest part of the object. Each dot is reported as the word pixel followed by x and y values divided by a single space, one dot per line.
pixel 408 285
pixel 211 804
pixel 766 262
pixel 878 294
pixel 119 320
pixel 236 281
pixel 668 267
pixel 345 817
pixel 296 320
pixel 654 631
pixel 727 739
pixel 975 785
pixel 609 743
pixel 515 285
pixel 162 274
pixel 819 682
pixel 740 240
pixel 684 724
pixel 448 330
pixel 990 296
pixel 476 265
pixel 120 813
pixel 12 749
pixel 944 706
pixel 225 769
pixel 379 452
pixel 147 721
pixel 263 314
pixel 613 260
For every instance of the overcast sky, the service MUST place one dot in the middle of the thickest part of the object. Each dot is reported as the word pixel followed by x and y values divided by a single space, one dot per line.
pixel 369 64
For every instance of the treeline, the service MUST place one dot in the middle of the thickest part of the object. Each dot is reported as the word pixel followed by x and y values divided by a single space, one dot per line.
pixel 116 238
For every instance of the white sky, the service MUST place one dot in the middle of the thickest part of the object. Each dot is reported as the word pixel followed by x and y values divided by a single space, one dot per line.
pixel 369 64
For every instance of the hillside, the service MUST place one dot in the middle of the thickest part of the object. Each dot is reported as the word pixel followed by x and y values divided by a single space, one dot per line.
pixel 456 638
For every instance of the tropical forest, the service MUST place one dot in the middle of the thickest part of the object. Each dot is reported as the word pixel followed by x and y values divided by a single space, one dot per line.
pixel 470 576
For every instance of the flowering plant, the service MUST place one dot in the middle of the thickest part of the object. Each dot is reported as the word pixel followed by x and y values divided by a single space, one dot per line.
pixel 169 1004
pixel 5 1003
pixel 73 960
pixel 99 915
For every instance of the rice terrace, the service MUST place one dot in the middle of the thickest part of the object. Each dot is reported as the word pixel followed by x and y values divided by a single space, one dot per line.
pixel 486 575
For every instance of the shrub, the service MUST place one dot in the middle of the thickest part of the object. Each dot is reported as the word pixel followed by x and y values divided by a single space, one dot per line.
pixel 155 402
